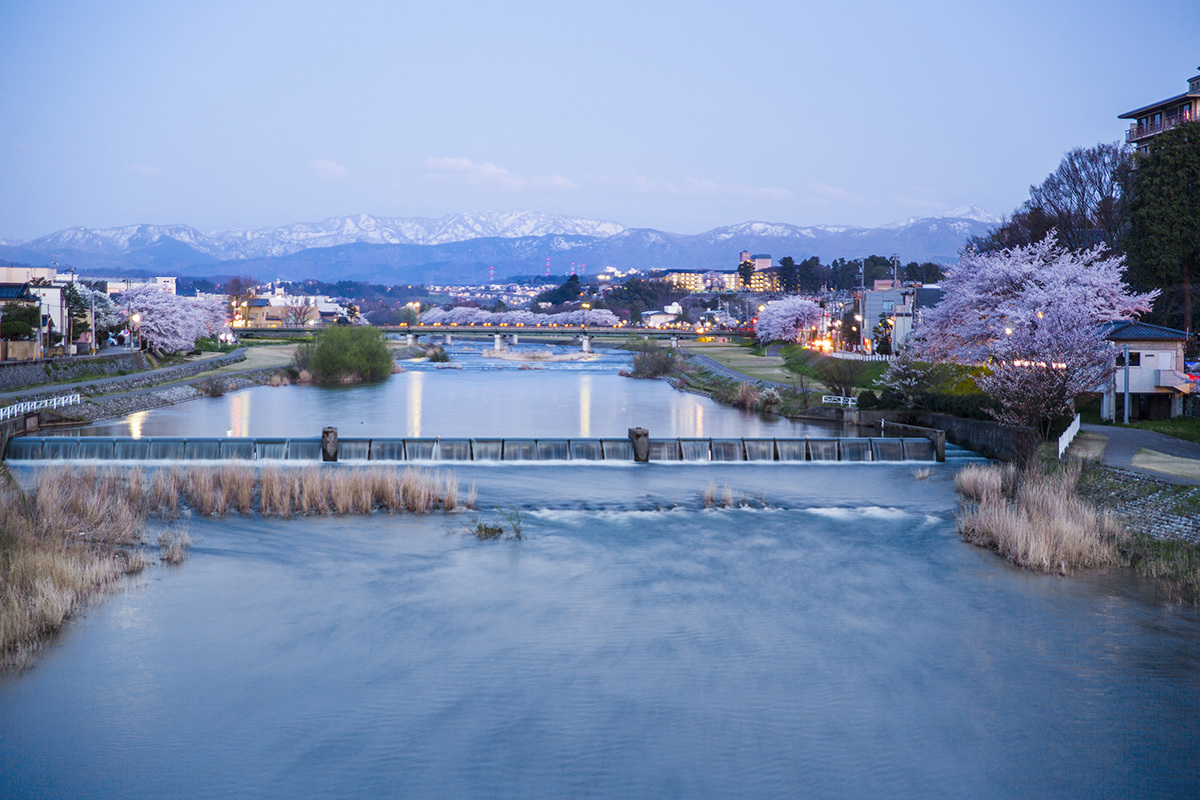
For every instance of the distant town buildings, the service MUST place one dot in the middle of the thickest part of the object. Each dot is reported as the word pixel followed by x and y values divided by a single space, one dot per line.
pixel 1149 121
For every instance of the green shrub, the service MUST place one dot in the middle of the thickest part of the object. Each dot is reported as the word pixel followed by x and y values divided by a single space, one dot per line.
pixel 867 400
pixel 437 353
pixel 346 354
pixel 971 406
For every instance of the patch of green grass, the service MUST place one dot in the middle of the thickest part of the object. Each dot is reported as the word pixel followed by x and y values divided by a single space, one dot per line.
pixel 1175 565
pixel 804 362
pixel 1186 428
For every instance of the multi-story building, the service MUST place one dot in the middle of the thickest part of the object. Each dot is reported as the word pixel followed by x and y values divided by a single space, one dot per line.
pixel 703 280
pixel 1149 121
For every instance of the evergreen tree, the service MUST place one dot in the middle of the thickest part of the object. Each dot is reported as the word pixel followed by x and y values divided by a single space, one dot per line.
pixel 746 271
pixel 789 274
pixel 1164 237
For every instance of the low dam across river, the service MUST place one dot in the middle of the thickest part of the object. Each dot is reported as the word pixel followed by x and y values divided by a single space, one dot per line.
pixel 829 449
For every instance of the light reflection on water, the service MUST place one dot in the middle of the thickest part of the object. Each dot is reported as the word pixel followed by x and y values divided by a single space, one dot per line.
pixel 571 399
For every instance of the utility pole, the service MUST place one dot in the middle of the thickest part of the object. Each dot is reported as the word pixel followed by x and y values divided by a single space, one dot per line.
pixel 895 270
pixel 1125 357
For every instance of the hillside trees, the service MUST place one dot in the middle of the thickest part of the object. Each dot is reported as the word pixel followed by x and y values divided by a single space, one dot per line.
pixel 1085 201
pixel 568 292
pixel 1164 235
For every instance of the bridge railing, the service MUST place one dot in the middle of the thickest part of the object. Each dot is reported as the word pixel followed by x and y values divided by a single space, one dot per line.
pixel 17 409
pixel 839 400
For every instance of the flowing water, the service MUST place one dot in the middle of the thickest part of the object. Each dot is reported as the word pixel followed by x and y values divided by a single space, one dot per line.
pixel 833 639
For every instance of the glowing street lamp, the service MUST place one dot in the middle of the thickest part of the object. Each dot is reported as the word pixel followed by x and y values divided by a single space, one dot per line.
pixel 136 319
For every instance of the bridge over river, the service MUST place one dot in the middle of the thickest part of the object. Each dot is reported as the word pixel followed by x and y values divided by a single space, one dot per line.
pixel 504 333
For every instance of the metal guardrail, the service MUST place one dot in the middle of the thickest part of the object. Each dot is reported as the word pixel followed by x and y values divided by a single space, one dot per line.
pixel 838 400
pixel 18 409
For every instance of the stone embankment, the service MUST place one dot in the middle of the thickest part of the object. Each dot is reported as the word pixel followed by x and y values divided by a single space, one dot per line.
pixel 1144 504
pixel 94 409
pixel 127 383
pixel 16 375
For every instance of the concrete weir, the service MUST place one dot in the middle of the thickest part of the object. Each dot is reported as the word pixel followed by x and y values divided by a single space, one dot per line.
pixel 636 447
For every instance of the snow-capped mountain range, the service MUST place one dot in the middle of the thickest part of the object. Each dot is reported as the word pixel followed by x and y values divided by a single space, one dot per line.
pixel 470 245
pixel 354 229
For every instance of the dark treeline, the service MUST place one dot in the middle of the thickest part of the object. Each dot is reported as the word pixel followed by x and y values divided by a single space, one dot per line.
pixel 1145 206
pixel 810 275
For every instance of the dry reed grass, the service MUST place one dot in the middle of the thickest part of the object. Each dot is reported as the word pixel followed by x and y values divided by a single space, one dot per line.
pixel 173 546
pixel 1036 519
pixel 722 497
pixel 60 541
pixel 75 530
pixel 922 474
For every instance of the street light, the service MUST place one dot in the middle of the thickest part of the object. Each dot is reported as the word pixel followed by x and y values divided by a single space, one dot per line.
pixel 586 307
pixel 136 319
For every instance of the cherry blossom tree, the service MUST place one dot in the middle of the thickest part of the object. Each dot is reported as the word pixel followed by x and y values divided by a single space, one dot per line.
pixel 991 296
pixel 466 315
pixel 170 322
pixel 787 320
pixel 1032 314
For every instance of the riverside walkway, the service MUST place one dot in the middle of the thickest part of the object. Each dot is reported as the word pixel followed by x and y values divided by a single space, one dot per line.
pixel 1148 452
pixel 97 385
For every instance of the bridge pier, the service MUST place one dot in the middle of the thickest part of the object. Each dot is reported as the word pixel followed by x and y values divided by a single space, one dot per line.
pixel 445 339
pixel 585 344
pixel 512 338
pixel 674 342
pixel 498 341
pixel 411 340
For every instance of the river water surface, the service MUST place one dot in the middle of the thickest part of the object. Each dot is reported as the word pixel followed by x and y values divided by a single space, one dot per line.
pixel 835 640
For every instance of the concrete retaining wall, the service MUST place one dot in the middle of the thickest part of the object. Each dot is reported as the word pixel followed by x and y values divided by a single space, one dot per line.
pixel 983 436
pixel 19 374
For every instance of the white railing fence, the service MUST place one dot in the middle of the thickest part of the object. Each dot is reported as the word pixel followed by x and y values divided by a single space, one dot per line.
pixel 1068 436
pixel 838 400
pixel 17 409
pixel 849 356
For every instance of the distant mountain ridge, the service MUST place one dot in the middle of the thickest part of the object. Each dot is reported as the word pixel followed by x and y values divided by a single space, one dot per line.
pixel 353 229
pixel 468 245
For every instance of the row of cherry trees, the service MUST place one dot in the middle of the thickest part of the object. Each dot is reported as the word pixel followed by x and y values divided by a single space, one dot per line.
pixel 465 315
pixel 171 322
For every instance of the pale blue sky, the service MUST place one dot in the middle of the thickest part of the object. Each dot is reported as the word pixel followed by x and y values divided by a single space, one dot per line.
pixel 676 115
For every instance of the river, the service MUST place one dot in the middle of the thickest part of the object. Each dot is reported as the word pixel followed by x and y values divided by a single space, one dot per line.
pixel 836 639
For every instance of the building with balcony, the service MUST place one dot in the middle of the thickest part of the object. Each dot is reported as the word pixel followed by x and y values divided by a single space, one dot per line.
pixel 1149 121
pixel 1157 382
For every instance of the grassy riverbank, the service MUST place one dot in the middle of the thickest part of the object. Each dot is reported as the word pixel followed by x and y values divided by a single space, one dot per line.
pixel 1069 518
pixel 74 532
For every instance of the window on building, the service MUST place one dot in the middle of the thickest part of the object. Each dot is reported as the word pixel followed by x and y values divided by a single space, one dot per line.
pixel 1135 359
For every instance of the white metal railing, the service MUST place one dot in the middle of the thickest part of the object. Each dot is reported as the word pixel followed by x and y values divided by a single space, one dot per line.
pixel 838 400
pixel 850 356
pixel 17 409
pixel 1068 436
